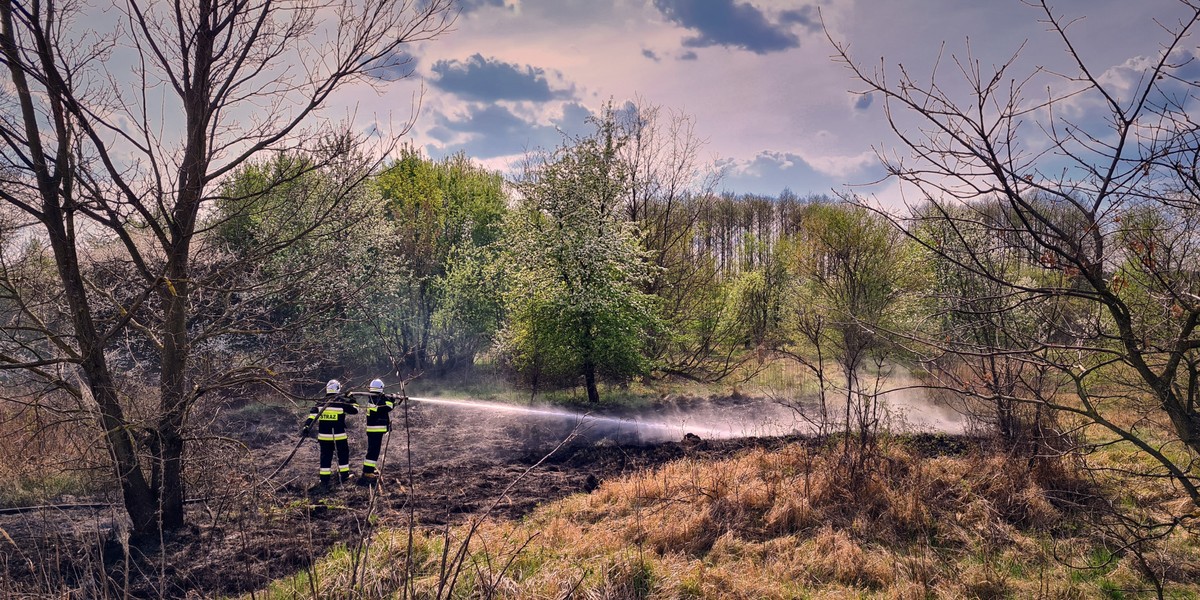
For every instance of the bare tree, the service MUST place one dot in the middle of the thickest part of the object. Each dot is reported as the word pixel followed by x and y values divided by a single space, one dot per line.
pixel 670 198
pixel 1103 216
pixel 668 191
pixel 854 274
pixel 120 134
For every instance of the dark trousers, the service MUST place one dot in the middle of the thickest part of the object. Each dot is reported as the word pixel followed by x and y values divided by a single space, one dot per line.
pixel 343 453
pixel 374 444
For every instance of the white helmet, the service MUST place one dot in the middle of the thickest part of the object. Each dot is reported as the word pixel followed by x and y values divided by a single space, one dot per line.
pixel 333 387
pixel 376 386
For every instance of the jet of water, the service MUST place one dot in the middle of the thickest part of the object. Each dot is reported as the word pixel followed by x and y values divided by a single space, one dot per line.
pixel 647 429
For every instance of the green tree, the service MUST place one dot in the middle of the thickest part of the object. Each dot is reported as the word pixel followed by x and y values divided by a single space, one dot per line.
pixel 575 302
pixel 296 239
pixel 439 306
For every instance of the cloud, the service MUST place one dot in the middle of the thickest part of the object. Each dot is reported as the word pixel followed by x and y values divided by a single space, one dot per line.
pixel 488 79
pixel 490 130
pixel 472 5
pixel 1088 115
pixel 689 55
pixel 851 168
pixel 650 54
pixel 575 120
pixel 1128 80
pixel 803 16
pixel 732 24
pixel 770 172
pixel 627 113
pixel 573 13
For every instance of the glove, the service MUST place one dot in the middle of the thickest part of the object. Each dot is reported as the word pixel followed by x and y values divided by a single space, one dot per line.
pixel 306 431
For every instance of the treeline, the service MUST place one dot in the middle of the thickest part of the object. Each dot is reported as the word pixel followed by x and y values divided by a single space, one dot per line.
pixel 604 259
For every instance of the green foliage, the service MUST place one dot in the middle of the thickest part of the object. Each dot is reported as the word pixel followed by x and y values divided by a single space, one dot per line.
pixel 755 299
pixel 855 273
pixel 438 303
pixel 470 309
pixel 293 242
pixel 854 285
pixel 575 303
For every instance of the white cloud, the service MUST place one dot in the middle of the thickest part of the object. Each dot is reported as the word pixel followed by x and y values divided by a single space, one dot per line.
pixel 843 166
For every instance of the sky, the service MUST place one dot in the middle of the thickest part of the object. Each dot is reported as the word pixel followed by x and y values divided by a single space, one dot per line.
pixel 757 77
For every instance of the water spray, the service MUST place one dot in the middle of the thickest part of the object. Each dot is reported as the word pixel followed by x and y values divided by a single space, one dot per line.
pixel 658 429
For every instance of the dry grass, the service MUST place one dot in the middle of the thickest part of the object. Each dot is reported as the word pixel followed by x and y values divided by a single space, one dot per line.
pixel 793 524
pixel 47 451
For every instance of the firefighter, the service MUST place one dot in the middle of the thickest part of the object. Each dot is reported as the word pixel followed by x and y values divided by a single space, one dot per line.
pixel 379 407
pixel 329 414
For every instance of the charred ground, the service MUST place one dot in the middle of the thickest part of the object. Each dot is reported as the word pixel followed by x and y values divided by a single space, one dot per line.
pixel 442 465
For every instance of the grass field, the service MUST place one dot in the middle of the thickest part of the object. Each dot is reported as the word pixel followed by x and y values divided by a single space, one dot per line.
pixel 802 522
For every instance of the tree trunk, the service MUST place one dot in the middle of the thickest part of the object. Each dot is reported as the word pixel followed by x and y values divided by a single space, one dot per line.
pixel 589 360
pixel 174 400
pixel 138 496
pixel 175 290
pixel 54 187
pixel 589 378
pixel 1186 422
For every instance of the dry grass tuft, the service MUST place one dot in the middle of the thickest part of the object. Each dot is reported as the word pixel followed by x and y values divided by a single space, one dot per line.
pixel 983 581
pixel 807 522
pixel 47 451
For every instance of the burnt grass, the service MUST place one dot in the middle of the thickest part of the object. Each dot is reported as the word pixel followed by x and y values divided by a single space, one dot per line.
pixel 442 466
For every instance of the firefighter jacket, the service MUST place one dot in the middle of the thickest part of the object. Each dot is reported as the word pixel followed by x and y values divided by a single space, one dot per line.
pixel 379 407
pixel 330 417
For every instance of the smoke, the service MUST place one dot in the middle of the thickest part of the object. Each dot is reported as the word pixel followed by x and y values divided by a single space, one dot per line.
pixel 461 423
pixel 912 410
pixel 903 401
pixel 662 424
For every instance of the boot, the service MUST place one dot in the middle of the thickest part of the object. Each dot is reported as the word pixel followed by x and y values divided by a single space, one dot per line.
pixel 368 479
pixel 323 487
pixel 343 476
